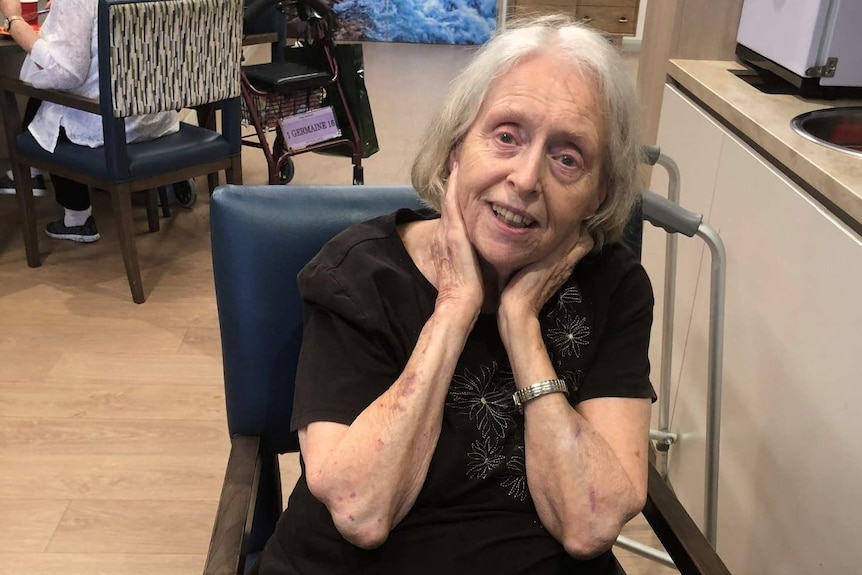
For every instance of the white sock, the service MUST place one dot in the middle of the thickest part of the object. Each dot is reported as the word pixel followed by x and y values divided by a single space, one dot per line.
pixel 74 218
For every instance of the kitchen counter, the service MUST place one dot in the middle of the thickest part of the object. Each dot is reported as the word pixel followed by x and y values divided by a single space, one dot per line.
pixel 763 120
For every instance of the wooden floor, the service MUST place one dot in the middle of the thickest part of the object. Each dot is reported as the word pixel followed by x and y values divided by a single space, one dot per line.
pixel 113 439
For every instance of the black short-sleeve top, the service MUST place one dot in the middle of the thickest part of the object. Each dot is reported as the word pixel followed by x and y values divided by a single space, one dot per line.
pixel 365 305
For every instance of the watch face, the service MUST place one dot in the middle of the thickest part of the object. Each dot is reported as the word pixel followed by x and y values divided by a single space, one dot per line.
pixel 7 25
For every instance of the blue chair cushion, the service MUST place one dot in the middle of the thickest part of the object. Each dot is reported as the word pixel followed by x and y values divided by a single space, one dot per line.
pixel 189 146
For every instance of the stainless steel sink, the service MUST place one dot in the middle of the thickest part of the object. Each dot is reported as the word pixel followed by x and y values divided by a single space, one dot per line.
pixel 836 128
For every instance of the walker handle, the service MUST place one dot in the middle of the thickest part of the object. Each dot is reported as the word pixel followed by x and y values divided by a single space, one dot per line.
pixel 651 154
pixel 667 215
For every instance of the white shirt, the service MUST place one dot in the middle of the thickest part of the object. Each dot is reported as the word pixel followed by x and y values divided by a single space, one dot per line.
pixel 61 59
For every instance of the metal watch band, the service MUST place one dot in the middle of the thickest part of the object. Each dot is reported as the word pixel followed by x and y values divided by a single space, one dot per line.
pixel 535 390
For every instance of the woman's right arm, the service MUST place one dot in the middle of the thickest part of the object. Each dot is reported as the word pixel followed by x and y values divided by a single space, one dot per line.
pixel 369 473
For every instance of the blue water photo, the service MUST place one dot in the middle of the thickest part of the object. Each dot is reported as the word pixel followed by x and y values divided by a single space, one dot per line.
pixel 416 21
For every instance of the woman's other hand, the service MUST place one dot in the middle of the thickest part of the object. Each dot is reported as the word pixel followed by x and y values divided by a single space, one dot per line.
pixel 532 286
pixel 459 280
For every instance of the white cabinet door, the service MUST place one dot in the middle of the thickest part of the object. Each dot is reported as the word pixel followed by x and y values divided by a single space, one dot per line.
pixel 791 455
pixel 792 420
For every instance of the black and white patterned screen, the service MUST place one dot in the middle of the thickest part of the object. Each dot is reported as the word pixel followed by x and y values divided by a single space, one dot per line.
pixel 171 54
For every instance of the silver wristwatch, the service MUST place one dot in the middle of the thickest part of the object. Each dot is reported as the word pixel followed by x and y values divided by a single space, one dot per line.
pixel 524 395
pixel 7 24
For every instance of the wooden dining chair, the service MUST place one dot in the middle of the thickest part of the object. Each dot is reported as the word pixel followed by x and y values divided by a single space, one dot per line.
pixel 154 56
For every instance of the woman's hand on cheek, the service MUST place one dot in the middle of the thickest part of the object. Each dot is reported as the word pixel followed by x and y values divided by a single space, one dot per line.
pixel 532 286
pixel 459 279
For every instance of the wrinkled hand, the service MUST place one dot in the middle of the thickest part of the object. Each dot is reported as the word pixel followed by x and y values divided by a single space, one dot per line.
pixel 531 287
pixel 459 280
pixel 10 7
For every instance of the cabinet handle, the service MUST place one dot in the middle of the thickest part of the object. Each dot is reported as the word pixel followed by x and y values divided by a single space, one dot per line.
pixel 587 19
pixel 623 20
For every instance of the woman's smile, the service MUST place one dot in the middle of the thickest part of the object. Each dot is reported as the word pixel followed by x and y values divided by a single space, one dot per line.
pixel 512 218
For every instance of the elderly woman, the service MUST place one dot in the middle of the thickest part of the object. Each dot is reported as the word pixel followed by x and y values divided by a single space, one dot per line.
pixel 473 393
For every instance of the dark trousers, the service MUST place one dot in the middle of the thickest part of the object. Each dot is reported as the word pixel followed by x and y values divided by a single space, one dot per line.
pixel 70 194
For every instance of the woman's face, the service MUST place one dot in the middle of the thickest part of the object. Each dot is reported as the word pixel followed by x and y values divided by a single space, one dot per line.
pixel 529 166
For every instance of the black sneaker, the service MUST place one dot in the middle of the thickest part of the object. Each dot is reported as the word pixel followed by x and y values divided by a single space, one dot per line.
pixel 7 186
pixel 85 234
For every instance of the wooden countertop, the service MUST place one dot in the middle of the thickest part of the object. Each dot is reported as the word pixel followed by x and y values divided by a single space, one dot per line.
pixel 765 120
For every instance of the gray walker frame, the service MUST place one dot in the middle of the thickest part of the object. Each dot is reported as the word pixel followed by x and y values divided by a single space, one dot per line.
pixel 668 215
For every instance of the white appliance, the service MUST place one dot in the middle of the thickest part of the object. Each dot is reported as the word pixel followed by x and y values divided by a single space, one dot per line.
pixel 807 42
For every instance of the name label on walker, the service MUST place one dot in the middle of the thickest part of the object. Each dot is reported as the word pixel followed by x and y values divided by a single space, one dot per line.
pixel 303 130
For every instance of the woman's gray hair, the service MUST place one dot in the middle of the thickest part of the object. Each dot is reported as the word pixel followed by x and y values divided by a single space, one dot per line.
pixel 589 52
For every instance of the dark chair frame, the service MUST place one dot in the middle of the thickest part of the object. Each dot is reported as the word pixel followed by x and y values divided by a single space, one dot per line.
pixel 119 182
pixel 252 228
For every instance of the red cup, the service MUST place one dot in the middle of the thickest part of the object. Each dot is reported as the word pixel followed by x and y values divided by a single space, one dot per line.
pixel 30 11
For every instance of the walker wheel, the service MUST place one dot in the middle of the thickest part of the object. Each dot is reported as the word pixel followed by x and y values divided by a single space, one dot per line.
pixel 185 193
pixel 286 172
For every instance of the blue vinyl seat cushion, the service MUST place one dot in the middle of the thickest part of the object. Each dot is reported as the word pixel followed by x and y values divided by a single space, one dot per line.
pixel 191 145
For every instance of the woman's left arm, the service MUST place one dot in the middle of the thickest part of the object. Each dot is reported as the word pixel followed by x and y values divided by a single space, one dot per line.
pixel 586 466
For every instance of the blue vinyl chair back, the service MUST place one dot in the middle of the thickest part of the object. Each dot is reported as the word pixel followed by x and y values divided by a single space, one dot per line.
pixel 261 238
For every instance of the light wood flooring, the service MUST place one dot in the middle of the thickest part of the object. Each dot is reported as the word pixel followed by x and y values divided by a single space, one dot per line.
pixel 113 439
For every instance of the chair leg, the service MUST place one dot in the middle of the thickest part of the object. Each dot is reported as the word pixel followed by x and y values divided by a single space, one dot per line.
pixel 163 197
pixel 233 175
pixel 207 119
pixel 212 182
pixel 152 210
pixel 27 213
pixel 122 201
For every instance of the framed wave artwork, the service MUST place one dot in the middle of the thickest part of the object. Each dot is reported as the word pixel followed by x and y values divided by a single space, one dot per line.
pixel 415 21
